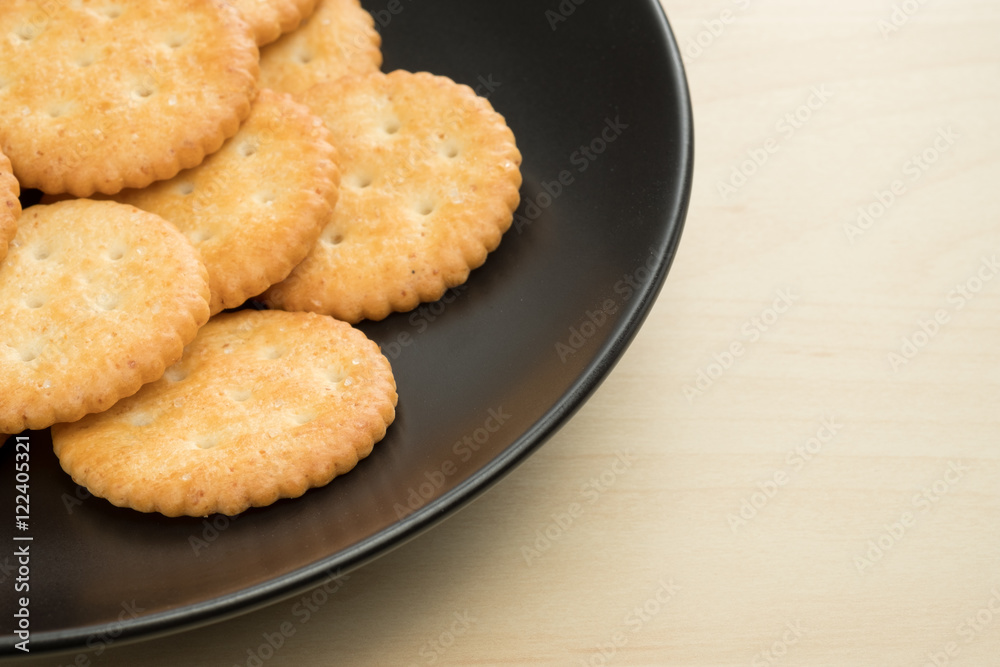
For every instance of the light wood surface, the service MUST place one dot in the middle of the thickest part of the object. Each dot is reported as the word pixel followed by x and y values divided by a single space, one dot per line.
pixel 818 501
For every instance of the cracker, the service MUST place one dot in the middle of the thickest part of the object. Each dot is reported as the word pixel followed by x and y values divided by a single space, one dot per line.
pixel 270 19
pixel 99 96
pixel 255 208
pixel 429 181
pixel 338 39
pixel 263 405
pixel 10 205
pixel 96 299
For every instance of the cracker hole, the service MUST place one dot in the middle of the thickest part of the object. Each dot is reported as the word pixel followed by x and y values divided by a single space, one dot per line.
pixel 207 442
pixel 449 151
pixel 200 235
pixel 106 301
pixel 58 110
pixel 272 353
pixel 334 375
pixel 115 254
pixel 425 207
pixel 143 91
pixel 34 301
pixel 28 354
pixel 304 57
pixel 247 149
pixel 176 41
pixel 239 395
pixel 185 188
pixel 304 418
pixel 140 419
pixel 27 32
pixel 359 180
pixel 41 252
pixel 265 197
pixel 175 374
pixel 391 126
pixel 331 238
pixel 84 60
pixel 110 12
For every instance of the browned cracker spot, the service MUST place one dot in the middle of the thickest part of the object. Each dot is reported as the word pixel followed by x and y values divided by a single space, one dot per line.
pixel 272 18
pixel 255 208
pixel 10 205
pixel 96 298
pixel 263 405
pixel 97 96
pixel 338 39
pixel 429 181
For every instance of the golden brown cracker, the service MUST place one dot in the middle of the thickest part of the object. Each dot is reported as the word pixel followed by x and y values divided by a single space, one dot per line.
pixel 97 96
pixel 338 39
pixel 256 207
pixel 429 181
pixel 10 205
pixel 270 19
pixel 263 405
pixel 96 299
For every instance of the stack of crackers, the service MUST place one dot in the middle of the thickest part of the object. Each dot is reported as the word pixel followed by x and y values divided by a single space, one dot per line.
pixel 194 154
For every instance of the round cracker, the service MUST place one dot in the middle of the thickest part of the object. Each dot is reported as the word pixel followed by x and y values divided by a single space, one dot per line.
pixel 10 205
pixel 429 181
pixel 255 208
pixel 134 90
pixel 338 39
pixel 263 405
pixel 96 299
pixel 270 19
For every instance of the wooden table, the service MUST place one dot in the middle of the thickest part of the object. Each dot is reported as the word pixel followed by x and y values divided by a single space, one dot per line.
pixel 796 462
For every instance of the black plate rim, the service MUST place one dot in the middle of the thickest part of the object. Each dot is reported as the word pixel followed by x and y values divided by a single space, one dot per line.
pixel 342 563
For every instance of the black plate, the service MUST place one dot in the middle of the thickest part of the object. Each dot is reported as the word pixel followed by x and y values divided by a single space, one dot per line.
pixel 598 101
